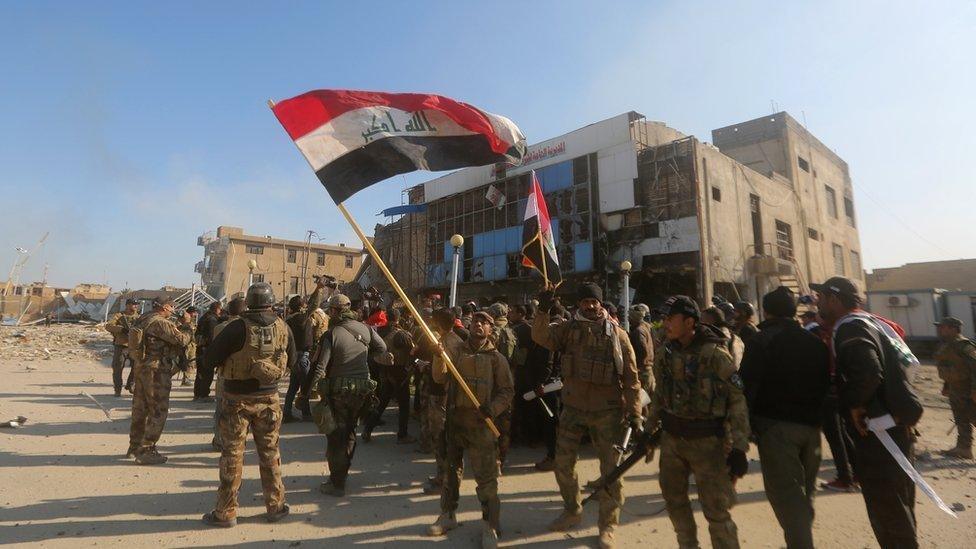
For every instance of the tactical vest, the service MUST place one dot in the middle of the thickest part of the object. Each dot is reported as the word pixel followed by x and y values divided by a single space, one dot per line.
pixel 264 355
pixel 478 373
pixel 691 385
pixel 588 355
pixel 950 359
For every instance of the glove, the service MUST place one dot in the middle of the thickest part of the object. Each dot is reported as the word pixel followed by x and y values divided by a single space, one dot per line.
pixel 738 464
pixel 546 299
pixel 485 411
pixel 636 423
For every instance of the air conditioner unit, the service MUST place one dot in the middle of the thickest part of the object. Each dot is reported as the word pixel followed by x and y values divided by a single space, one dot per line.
pixel 898 301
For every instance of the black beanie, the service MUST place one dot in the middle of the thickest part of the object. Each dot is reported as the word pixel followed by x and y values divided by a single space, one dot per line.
pixel 780 302
pixel 589 290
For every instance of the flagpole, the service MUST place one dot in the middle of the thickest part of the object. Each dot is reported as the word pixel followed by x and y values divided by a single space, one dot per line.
pixel 413 310
pixel 542 255
pixel 403 296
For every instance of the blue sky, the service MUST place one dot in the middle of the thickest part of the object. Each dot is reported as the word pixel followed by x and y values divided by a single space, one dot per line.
pixel 131 128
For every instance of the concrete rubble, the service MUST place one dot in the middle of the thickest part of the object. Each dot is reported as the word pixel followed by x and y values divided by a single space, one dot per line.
pixel 55 342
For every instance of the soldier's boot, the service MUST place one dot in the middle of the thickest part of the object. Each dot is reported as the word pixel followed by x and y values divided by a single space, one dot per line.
pixel 489 536
pixel 279 514
pixel 212 520
pixel 151 457
pixel 132 450
pixel 444 524
pixel 961 452
pixel 566 520
pixel 606 537
pixel 330 489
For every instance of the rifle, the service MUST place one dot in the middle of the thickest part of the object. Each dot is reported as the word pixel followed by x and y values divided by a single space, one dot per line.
pixel 644 442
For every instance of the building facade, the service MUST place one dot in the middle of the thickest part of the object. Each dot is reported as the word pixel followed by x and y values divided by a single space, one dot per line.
pixel 288 265
pixel 769 206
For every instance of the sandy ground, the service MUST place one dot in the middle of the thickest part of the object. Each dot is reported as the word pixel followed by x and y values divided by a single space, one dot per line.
pixel 65 482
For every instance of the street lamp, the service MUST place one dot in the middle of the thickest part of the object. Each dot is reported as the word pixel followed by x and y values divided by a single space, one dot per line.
pixel 457 241
pixel 251 265
pixel 625 267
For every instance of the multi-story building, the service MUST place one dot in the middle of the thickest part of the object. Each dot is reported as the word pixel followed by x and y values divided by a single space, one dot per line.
pixel 288 265
pixel 770 205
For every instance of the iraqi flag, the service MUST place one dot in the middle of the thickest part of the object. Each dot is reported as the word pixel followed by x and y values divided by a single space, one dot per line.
pixel 538 245
pixel 353 139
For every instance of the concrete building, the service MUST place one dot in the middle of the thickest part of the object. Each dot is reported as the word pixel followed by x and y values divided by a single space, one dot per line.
pixel 770 205
pixel 957 274
pixel 288 265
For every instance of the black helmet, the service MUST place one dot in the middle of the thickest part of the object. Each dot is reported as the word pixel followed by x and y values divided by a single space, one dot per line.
pixel 745 308
pixel 259 296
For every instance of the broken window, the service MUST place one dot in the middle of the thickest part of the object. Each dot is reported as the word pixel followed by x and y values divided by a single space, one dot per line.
pixel 349 261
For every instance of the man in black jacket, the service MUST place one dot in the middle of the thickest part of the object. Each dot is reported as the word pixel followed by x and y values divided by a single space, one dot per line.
pixel 785 371
pixel 205 334
pixel 301 327
pixel 860 355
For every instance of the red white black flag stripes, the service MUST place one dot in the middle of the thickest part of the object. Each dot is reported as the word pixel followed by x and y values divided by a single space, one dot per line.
pixel 538 245
pixel 353 139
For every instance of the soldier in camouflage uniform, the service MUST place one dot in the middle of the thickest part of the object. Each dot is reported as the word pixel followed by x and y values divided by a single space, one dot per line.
pixel 505 341
pixel 956 359
pixel 486 372
pixel 154 363
pixel 188 363
pixel 252 354
pixel 119 328
pixel 341 375
pixel 600 396
pixel 699 404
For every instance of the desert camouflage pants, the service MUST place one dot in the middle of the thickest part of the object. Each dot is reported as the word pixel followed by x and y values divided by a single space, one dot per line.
pixel 263 416
pixel 466 432
pixel 705 458
pixel 150 406
pixel 605 429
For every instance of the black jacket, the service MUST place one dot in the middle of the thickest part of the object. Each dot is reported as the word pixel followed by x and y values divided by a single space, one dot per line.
pixel 231 339
pixel 785 372
pixel 205 327
pixel 303 331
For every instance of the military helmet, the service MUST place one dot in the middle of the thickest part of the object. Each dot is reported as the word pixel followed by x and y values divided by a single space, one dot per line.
pixel 259 296
pixel 497 310
pixel 339 301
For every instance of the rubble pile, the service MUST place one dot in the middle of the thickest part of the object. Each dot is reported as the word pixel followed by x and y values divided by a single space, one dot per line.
pixel 55 342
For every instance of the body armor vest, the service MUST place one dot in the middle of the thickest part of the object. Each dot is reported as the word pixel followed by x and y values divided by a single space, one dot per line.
pixel 264 355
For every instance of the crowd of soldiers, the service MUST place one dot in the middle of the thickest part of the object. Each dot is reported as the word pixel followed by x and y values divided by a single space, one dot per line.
pixel 701 384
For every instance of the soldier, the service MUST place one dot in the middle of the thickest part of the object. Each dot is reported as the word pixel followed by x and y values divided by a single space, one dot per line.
pixel 505 342
pixel 600 395
pixel 235 308
pixel 435 411
pixel 188 362
pixel 119 328
pixel 253 353
pixel 154 361
pixel 341 376
pixel 486 372
pixel 956 359
pixel 745 326
pixel 205 334
pixel 643 344
pixel 396 379
pixel 699 405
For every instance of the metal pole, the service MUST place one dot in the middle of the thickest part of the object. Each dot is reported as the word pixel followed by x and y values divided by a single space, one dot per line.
pixel 454 276
pixel 625 314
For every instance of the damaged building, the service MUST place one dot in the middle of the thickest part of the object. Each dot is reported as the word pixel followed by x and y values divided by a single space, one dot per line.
pixel 767 204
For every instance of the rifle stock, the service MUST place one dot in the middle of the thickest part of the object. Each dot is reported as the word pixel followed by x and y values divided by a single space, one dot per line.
pixel 645 441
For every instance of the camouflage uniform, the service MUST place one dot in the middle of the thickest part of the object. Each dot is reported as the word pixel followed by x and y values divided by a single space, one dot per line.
pixel 163 343
pixel 956 360
pixel 436 411
pixel 505 342
pixel 698 402
pixel 188 362
pixel 600 392
pixel 262 360
pixel 486 372
pixel 119 328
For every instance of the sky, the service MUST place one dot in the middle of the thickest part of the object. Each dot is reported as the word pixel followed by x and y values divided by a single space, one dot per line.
pixel 130 128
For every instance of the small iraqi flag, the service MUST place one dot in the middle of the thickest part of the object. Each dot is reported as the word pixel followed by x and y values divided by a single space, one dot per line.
pixel 538 245
pixel 353 139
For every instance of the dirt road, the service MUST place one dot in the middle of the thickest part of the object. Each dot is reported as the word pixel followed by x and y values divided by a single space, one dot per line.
pixel 65 482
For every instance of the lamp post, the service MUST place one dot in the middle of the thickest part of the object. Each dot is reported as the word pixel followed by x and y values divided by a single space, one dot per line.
pixel 251 265
pixel 457 241
pixel 625 267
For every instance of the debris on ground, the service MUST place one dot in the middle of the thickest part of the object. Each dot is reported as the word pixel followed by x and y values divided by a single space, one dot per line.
pixel 56 342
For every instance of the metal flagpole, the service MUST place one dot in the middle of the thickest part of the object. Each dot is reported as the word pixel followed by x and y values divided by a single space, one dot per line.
pixel 413 310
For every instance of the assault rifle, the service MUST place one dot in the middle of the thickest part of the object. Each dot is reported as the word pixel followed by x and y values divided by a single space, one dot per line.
pixel 644 442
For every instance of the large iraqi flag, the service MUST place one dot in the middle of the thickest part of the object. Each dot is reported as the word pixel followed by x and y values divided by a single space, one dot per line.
pixel 538 244
pixel 353 139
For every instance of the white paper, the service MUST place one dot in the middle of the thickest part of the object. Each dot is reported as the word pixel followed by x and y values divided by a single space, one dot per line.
pixel 880 426
pixel 554 386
